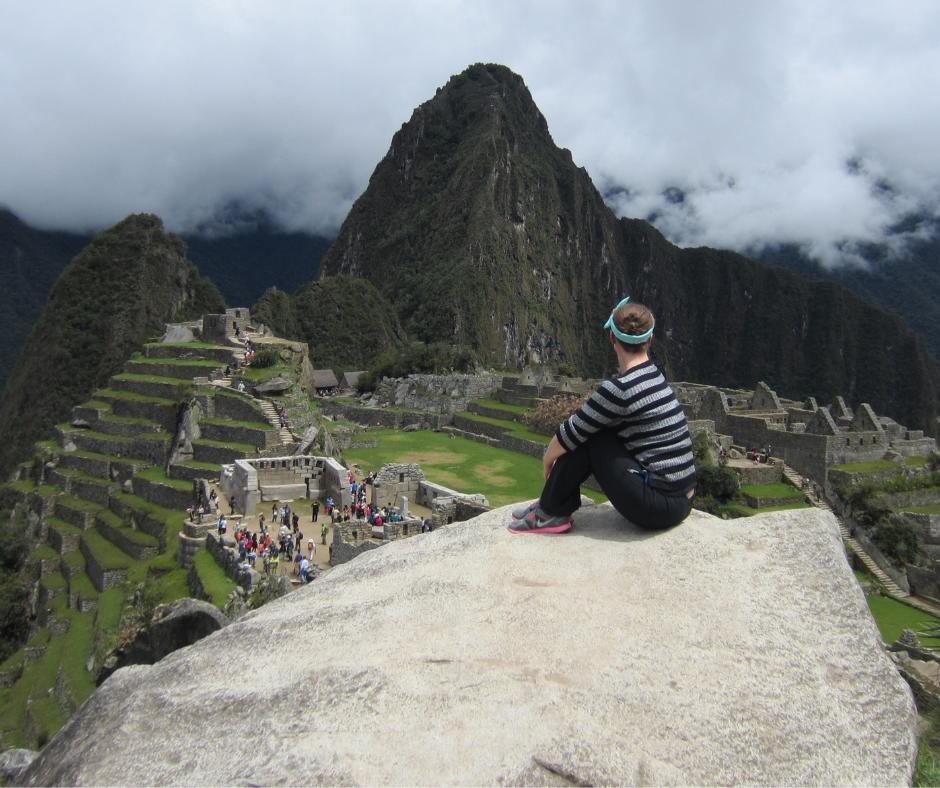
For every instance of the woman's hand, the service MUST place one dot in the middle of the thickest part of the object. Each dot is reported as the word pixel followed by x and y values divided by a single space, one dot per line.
pixel 553 451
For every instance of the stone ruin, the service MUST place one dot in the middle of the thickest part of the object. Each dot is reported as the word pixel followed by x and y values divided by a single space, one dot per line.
pixel 397 484
pixel 220 328
pixel 251 481
pixel 806 436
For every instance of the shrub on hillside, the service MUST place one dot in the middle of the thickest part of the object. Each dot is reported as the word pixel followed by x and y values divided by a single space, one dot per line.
pixel 266 357
pixel 550 413
pixel 418 357
pixel 897 538
pixel 716 481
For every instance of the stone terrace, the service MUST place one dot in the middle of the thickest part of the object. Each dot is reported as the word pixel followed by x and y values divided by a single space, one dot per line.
pixel 107 499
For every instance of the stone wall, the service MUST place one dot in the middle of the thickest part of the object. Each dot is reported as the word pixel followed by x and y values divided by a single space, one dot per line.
pixel 341 552
pixel 226 556
pixel 224 404
pixel 254 480
pixel 810 439
pixel 437 394
pixel 163 494
pixel 912 498
pixel 396 480
pixel 218 328
pixel 389 419
pixel 839 478
pixel 102 578
pixel 261 436
pixel 143 521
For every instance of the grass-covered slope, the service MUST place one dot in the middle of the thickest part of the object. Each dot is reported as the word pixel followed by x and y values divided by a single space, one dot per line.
pixel 119 291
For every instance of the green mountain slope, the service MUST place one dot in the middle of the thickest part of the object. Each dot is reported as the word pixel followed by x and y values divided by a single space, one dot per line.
pixel 30 261
pixel 345 320
pixel 119 291
pixel 481 231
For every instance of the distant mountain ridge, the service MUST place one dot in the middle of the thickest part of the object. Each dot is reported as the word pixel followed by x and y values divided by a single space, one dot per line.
pixel 242 264
pixel 119 291
pixel 480 230
pixel 905 283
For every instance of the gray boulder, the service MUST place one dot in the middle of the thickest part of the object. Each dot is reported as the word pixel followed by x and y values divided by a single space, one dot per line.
pixel 172 627
pixel 469 655
pixel 13 763
pixel 276 385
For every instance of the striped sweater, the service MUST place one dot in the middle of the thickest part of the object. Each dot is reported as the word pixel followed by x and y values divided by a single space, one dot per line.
pixel 641 408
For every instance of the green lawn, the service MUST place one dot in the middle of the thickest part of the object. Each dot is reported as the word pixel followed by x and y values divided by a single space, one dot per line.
pixel 214 580
pixel 892 616
pixel 933 508
pixel 461 464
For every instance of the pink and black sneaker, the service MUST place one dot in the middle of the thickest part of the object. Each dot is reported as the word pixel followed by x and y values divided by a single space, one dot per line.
pixel 538 522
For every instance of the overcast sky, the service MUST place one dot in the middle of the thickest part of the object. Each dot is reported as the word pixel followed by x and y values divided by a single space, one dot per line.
pixel 753 109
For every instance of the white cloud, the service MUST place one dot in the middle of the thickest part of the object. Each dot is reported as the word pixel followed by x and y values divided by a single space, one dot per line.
pixel 752 109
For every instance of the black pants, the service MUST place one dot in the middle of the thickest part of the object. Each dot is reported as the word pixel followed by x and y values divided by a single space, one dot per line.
pixel 605 456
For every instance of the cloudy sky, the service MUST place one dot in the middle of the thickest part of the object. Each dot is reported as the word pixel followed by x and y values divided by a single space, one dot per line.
pixel 807 122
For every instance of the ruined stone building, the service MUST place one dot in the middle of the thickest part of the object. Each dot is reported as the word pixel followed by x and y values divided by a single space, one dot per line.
pixel 809 437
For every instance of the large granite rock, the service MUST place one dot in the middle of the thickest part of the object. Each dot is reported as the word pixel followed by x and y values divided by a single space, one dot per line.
pixel 715 653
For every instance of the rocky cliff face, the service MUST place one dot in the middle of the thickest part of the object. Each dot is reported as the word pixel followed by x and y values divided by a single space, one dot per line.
pixel 472 656
pixel 118 292
pixel 478 228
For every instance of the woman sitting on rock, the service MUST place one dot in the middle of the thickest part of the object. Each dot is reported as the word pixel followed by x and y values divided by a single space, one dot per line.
pixel 631 434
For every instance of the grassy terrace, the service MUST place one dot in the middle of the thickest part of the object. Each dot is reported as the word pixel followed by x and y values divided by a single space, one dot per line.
pixel 519 410
pixel 42 552
pixel 199 466
pixel 169 516
pixel 744 510
pixel 932 508
pixel 81 584
pixel 158 476
pixel 94 403
pixel 262 374
pixel 131 534
pixel 131 396
pixel 242 447
pixel 194 345
pixel 513 428
pixel 64 528
pixel 79 504
pixel 137 358
pixel 776 490
pixel 215 582
pixel 255 425
pixel 181 384
pixel 74 560
pixel 107 554
pixel 878 465
pixel 143 422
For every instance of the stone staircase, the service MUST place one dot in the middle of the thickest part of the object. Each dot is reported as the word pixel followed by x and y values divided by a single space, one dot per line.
pixel 285 436
pixel 891 588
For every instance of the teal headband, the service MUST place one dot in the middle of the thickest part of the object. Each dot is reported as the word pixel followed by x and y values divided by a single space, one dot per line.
pixel 630 339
